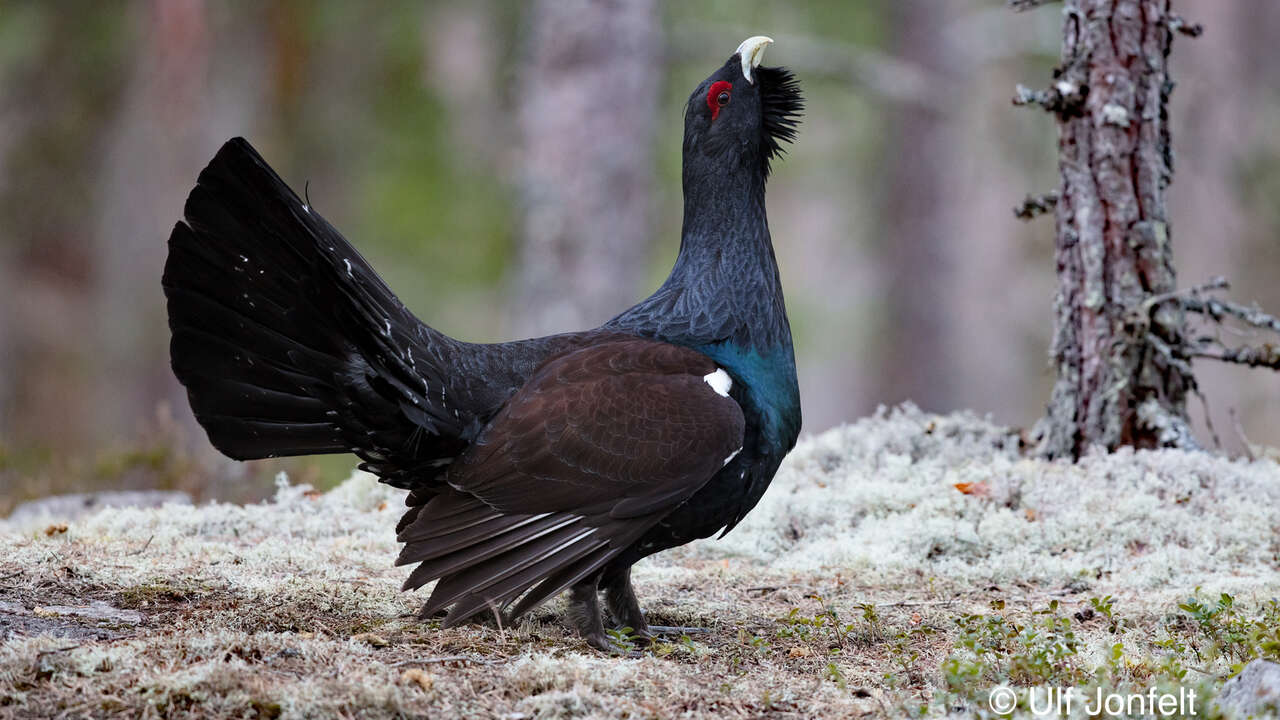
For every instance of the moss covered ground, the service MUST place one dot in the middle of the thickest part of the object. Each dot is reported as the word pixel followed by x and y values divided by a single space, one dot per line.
pixel 903 564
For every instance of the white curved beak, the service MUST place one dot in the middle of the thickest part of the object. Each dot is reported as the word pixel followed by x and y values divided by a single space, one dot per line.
pixel 752 52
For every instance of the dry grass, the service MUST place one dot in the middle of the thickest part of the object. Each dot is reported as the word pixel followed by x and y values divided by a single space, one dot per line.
pixel 838 597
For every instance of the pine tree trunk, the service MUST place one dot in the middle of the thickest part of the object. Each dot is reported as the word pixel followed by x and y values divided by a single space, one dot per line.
pixel 1117 382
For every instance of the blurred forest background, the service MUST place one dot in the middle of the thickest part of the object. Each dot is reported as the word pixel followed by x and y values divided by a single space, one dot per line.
pixel 514 169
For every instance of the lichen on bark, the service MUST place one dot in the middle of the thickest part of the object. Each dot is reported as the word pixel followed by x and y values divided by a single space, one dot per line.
pixel 1114 385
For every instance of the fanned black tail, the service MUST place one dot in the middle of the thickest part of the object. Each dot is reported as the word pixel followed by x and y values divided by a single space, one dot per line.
pixel 288 344
pixel 287 341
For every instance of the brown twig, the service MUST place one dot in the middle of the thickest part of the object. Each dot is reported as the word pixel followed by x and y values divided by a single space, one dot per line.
pixel 767 588
pixel 144 547
pixel 919 603
pixel 806 590
pixel 51 651
pixel 446 659
pixel 497 618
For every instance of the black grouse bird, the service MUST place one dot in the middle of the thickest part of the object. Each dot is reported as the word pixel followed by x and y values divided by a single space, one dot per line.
pixel 533 466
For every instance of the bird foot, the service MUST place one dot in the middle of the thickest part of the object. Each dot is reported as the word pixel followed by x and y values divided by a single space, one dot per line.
pixel 605 644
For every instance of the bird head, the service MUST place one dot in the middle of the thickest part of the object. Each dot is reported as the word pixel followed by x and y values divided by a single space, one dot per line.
pixel 739 117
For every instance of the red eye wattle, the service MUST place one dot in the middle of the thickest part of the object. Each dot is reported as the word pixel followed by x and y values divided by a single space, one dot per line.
pixel 718 96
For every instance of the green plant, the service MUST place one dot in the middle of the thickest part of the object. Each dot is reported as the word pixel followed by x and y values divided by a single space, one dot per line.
pixel 1224 632
pixel 623 638
pixel 904 656
pixel 1105 606
pixel 1041 649
pixel 834 674
pixel 994 649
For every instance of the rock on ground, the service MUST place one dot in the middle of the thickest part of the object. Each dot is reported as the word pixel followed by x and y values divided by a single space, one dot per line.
pixel 1254 693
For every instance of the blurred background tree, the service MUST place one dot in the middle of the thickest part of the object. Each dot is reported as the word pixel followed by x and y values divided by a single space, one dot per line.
pixel 434 136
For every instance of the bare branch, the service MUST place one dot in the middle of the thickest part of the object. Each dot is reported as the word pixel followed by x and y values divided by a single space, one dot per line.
pixel 1267 356
pixel 1065 99
pixel 1167 352
pixel 1208 416
pixel 1215 283
pixel 1024 5
pixel 1193 300
pixel 1178 25
pixel 1034 205
pixel 1026 96
pixel 1244 439
pixel 1218 309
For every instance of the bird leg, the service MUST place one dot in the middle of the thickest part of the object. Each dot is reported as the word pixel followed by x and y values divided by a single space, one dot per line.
pixel 584 614
pixel 621 600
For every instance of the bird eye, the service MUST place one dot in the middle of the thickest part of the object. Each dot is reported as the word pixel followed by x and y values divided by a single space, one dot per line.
pixel 718 96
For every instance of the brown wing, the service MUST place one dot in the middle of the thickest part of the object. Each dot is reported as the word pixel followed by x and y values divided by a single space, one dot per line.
pixel 596 448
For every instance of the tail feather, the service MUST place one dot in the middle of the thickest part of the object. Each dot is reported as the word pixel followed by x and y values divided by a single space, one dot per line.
pixel 231 397
pixel 498 581
pixel 484 559
pixel 289 343
pixel 558 580
pixel 445 557
pixel 207 359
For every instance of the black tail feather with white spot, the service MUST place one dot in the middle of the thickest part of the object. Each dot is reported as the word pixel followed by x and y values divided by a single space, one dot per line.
pixel 287 341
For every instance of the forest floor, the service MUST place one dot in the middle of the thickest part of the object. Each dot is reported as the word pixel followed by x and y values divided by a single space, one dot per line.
pixel 907 563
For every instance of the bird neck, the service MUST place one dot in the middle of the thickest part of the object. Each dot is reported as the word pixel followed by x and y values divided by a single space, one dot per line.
pixel 725 222
pixel 724 287
pixel 726 259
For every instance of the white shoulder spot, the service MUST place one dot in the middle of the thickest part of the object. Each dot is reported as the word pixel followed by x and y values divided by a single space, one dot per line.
pixel 732 455
pixel 719 381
